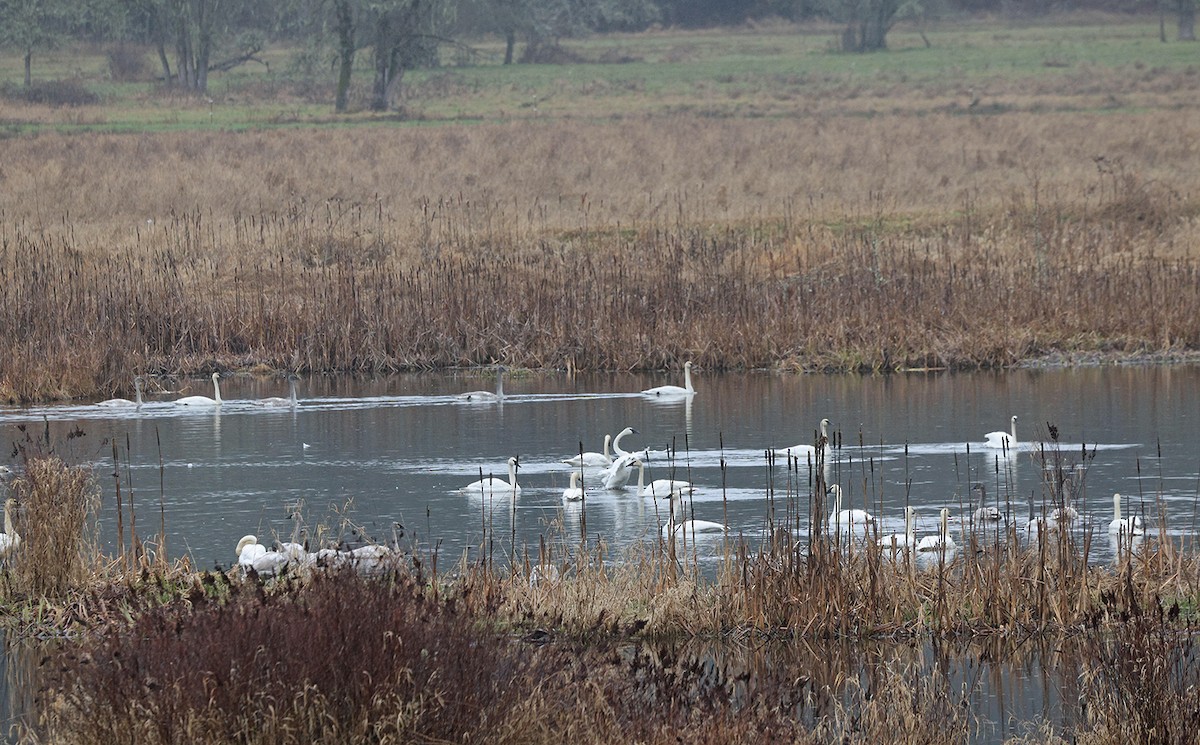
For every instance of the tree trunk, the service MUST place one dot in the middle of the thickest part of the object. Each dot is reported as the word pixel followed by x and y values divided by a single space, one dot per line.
pixel 28 68
pixel 1187 20
pixel 510 43
pixel 383 64
pixel 166 63
pixel 344 15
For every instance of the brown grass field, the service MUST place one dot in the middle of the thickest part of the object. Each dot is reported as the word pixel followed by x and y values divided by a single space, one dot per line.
pixel 876 230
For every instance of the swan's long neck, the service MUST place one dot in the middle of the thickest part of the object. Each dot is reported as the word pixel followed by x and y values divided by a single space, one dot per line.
pixel 292 392
pixel 641 477
pixel 687 378
pixel 1116 507
pixel 1014 430
pixel 607 442
pixel 137 387
pixel 908 525
pixel 945 523
pixel 500 385
pixel 216 388
pixel 574 479
pixel 837 499
pixel 8 523
pixel 512 475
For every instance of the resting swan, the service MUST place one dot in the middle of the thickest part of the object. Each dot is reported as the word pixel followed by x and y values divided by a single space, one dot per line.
pixel 1001 440
pixel 692 527
pixel 660 487
pixel 942 541
pixel 252 555
pixel 847 522
pixel 900 543
pixel 1129 526
pixel 985 515
pixel 204 400
pixel 487 396
pixel 674 391
pixel 10 541
pixel 496 487
pixel 121 402
pixel 800 451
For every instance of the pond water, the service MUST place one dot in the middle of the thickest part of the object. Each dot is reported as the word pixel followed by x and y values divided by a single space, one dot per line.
pixel 397 450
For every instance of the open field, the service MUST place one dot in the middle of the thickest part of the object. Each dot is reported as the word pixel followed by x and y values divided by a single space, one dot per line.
pixel 860 214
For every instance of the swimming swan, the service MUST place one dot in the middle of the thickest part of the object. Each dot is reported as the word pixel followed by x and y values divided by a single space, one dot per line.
pixel 845 522
pixel 899 543
pixel 800 451
pixel 495 487
pixel 487 396
pixel 121 402
pixel 619 452
pixel 660 487
pixel 985 515
pixel 942 541
pixel 592 458
pixel 10 541
pixel 574 492
pixel 693 527
pixel 617 476
pixel 1129 526
pixel 674 391
pixel 1002 440
pixel 204 400
pixel 278 402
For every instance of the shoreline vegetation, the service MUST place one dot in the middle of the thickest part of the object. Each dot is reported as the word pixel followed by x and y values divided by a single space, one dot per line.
pixel 811 212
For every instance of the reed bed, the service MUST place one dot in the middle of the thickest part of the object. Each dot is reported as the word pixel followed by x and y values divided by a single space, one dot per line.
pixel 736 245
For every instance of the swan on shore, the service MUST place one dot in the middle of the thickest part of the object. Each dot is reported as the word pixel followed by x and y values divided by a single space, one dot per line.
pixel 10 541
pixel 487 396
pixel 122 402
pixel 1002 440
pixel 204 400
pixel 674 391
pixel 496 487
pixel 800 451
pixel 845 522
pixel 253 556
pixel 1128 526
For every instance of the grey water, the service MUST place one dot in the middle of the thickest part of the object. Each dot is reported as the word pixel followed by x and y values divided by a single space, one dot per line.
pixel 390 455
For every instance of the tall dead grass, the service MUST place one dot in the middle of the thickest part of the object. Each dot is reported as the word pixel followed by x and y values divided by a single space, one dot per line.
pixel 845 244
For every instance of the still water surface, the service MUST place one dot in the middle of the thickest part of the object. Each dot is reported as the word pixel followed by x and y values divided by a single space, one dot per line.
pixel 397 450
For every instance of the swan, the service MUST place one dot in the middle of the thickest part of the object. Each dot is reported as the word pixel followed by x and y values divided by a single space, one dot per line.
pixel 660 487
pixel 899 543
pixel 204 400
pixel 674 391
pixel 293 549
pixel 616 476
pixel 984 514
pixel 693 527
pixel 10 541
pixel 253 556
pixel 574 492
pixel 1039 524
pixel 1066 513
pixel 487 396
pixel 619 452
pixel 1002 440
pixel 592 458
pixel 1129 526
pixel 121 402
pixel 277 402
pixel 799 451
pixel 942 541
pixel 496 487
pixel 845 522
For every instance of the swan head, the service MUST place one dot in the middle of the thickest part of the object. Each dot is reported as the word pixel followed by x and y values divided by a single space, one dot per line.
pixel 247 540
pixel 687 365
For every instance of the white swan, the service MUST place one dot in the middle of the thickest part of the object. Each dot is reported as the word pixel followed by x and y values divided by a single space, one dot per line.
pixel 1002 440
pixel 277 402
pixel 846 522
pixel 1039 524
pixel 10 541
pixel 900 543
pixel 619 452
pixel 253 556
pixel 985 515
pixel 591 458
pixel 496 487
pixel 693 527
pixel 942 541
pixel 487 396
pixel 122 402
pixel 1129 526
pixel 800 451
pixel 674 391
pixel 574 492
pixel 204 400
pixel 660 487
pixel 617 476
